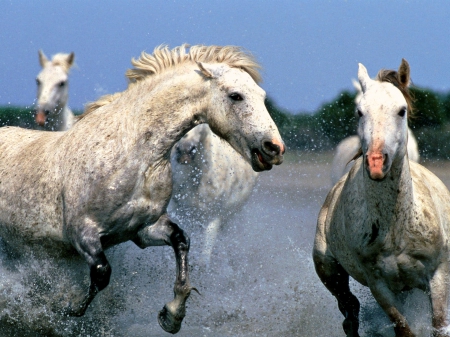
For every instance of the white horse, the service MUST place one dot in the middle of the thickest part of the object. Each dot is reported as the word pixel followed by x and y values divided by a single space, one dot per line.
pixel 210 179
pixel 347 149
pixel 387 223
pixel 52 112
pixel 108 179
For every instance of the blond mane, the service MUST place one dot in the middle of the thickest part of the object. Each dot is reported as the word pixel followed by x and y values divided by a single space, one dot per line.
pixel 163 58
pixel 393 77
pixel 62 60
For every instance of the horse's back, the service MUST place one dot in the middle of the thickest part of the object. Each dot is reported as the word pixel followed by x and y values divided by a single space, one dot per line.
pixel 431 195
pixel 345 151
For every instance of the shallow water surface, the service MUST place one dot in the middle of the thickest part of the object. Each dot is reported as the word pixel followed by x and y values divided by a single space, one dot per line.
pixel 260 282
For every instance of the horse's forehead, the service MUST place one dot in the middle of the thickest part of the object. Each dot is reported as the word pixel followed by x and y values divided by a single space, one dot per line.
pixel 52 73
pixel 382 96
pixel 238 78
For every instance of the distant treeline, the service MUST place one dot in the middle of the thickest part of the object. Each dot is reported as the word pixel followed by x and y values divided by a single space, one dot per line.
pixel 336 119
pixel 332 122
pixel 19 116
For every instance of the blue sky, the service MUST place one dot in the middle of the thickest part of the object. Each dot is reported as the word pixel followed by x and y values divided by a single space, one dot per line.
pixel 309 49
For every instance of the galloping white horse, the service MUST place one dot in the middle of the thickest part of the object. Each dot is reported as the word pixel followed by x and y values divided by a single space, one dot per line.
pixel 387 223
pixel 52 112
pixel 108 179
pixel 347 149
pixel 211 179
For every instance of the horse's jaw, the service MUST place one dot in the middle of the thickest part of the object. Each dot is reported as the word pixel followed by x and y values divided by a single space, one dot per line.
pixel 258 163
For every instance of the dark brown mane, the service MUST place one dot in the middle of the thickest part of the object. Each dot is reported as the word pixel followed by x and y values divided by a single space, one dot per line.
pixel 392 76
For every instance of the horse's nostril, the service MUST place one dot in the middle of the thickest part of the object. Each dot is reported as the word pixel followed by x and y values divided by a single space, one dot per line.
pixel 271 148
pixel 47 112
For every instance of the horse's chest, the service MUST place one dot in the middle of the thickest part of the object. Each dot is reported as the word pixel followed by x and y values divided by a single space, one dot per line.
pixel 401 271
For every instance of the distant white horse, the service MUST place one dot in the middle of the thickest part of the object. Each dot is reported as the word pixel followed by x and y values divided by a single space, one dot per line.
pixel 52 112
pixel 387 223
pixel 108 179
pixel 210 179
pixel 349 147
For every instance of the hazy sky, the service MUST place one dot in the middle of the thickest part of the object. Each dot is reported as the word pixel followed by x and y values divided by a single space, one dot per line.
pixel 309 49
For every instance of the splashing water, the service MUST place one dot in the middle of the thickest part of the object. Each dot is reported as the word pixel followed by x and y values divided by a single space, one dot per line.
pixel 260 281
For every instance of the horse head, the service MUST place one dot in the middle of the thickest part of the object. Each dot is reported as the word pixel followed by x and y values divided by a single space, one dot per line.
pixel 187 149
pixel 238 114
pixel 52 86
pixel 383 109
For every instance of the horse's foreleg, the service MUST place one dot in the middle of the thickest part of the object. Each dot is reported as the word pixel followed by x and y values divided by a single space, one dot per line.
pixel 439 299
pixel 336 279
pixel 87 243
pixel 165 232
pixel 386 299
pixel 211 235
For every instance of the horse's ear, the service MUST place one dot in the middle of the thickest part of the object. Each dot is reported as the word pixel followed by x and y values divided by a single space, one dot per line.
pixel 204 71
pixel 70 59
pixel 403 73
pixel 363 77
pixel 42 58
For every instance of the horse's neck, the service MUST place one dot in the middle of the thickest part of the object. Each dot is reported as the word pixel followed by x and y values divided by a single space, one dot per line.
pixel 62 120
pixel 68 118
pixel 160 118
pixel 392 195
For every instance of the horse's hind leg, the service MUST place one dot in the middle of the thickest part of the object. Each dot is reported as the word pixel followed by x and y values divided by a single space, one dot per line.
pixel 211 235
pixel 336 279
pixel 439 300
pixel 165 232
pixel 88 244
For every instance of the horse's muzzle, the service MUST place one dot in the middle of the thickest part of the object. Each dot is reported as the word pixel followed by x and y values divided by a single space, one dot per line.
pixel 271 153
pixel 377 165
pixel 41 117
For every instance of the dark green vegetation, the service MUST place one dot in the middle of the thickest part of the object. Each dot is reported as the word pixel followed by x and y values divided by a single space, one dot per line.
pixel 336 119
pixel 332 122
pixel 19 116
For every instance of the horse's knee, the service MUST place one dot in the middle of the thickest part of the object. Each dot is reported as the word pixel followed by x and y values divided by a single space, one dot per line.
pixel 179 238
pixel 100 275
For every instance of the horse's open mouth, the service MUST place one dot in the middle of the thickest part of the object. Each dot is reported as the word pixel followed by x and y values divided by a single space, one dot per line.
pixel 259 163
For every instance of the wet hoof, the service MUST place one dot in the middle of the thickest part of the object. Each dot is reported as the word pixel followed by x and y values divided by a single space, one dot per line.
pixel 168 321
pixel 350 327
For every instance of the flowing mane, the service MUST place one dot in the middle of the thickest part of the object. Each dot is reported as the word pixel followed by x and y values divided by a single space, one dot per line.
pixel 393 77
pixel 62 60
pixel 163 58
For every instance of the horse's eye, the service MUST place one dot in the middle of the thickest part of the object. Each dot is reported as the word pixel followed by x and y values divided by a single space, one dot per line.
pixel 61 84
pixel 236 97
pixel 38 82
pixel 402 112
pixel 360 113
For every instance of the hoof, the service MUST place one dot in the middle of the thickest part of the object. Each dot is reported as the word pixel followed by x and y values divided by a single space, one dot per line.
pixel 351 327
pixel 168 321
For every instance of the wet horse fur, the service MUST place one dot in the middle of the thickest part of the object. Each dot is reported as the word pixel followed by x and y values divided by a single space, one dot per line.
pixel 52 112
pixel 108 179
pixel 387 223
pixel 211 179
pixel 347 148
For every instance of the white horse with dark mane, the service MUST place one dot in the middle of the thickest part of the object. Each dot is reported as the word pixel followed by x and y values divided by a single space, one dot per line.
pixel 349 147
pixel 210 181
pixel 52 112
pixel 387 223
pixel 108 179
